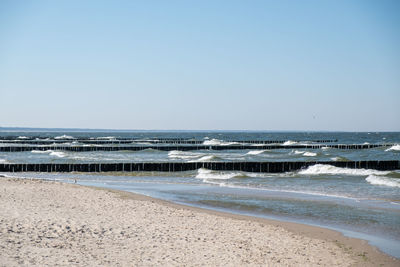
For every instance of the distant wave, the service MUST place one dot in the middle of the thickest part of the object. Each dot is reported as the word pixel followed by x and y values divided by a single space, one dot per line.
pixel 289 143
pixel 177 154
pixel 217 142
pixel 394 148
pixel 64 137
pixel 256 152
pixel 339 159
pixel 41 151
pixel 332 170
pixel 58 154
pixel 147 150
pixel 381 180
pixel 207 158
pixel 22 137
pixel 106 138
pixel 214 175
pixel 305 153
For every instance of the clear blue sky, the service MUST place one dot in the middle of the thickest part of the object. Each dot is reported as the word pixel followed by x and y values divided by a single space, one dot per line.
pixel 240 65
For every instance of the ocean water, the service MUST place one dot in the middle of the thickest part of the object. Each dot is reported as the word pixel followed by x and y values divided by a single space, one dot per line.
pixel 360 203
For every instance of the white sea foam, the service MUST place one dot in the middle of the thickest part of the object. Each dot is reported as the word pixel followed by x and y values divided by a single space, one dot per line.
pixel 183 154
pixel 22 137
pixel 305 153
pixel 57 154
pixel 209 174
pixel 64 137
pixel 217 142
pixel 394 148
pixel 382 180
pixel 339 159
pixel 332 170
pixel 106 138
pixel 289 143
pixel 3 161
pixel 256 152
pixel 41 151
pixel 325 147
pixel 50 152
pixel 309 154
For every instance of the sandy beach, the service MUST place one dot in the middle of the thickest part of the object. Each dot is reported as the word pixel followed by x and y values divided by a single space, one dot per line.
pixel 44 223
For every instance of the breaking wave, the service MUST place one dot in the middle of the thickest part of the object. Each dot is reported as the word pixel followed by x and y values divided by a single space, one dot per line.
pixel 289 143
pixel 214 175
pixel 381 180
pixel 394 148
pixel 58 154
pixel 176 154
pixel 256 152
pixel 339 159
pixel 64 137
pixel 305 153
pixel 332 170
pixel 207 158
pixel 217 142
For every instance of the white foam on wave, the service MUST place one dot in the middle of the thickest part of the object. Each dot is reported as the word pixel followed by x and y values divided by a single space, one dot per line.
pixel 381 180
pixel 183 154
pixel 256 152
pixel 332 170
pixel 309 154
pixel 209 174
pixel 394 148
pixel 217 142
pixel 325 147
pixel 206 158
pixel 22 137
pixel 57 154
pixel 41 151
pixel 106 138
pixel 64 137
pixel 3 161
pixel 289 143
pixel 305 153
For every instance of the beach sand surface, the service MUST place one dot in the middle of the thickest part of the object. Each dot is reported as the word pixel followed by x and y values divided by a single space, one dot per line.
pixel 45 223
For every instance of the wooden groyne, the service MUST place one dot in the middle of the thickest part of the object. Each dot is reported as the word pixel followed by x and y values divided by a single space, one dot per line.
pixel 158 141
pixel 268 167
pixel 186 147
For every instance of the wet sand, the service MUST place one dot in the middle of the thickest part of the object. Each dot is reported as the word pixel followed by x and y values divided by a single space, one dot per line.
pixel 46 223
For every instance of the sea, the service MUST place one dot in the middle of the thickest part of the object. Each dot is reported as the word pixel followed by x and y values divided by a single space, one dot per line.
pixel 360 203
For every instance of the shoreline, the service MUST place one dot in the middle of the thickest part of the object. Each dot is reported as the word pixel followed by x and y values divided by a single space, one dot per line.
pixel 359 246
pixel 355 252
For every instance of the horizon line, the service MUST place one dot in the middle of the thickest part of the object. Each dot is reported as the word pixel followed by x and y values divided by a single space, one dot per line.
pixel 56 129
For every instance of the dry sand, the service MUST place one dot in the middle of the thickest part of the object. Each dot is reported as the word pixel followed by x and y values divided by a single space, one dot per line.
pixel 46 223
